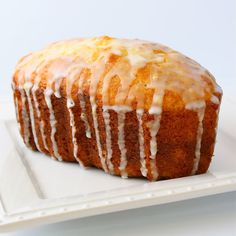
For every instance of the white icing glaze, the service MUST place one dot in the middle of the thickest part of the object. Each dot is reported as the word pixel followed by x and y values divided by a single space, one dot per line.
pixel 35 67
pixel 73 131
pixel 25 118
pixel 96 129
pixel 47 95
pixel 196 105
pixel 200 114
pixel 153 129
pixel 106 117
pixel 121 144
pixel 41 123
pixel 215 99
pixel 27 87
pixel 154 125
pixel 70 103
pixel 119 108
pixel 199 107
pixel 58 86
pixel 83 115
pixel 154 110
pixel 143 167
pixel 97 71
pixel 121 111
pixel 136 60
pixel 217 119
pixel 58 72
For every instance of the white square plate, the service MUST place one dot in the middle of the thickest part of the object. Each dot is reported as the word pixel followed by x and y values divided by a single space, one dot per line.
pixel 35 189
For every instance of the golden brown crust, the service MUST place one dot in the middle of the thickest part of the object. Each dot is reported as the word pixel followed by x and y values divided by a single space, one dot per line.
pixel 152 64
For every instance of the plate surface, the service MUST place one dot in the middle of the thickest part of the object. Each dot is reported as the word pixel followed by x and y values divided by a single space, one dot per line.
pixel 35 189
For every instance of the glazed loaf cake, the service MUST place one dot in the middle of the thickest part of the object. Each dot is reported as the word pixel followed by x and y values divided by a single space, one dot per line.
pixel 130 107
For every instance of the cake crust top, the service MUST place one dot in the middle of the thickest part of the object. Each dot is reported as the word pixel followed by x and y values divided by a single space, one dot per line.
pixel 117 72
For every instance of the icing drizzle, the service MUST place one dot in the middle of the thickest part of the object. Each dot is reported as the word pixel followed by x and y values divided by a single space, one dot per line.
pixel 83 115
pixel 106 117
pixel 25 118
pixel 27 87
pixel 199 107
pixel 41 123
pixel 48 93
pixel 73 131
pixel 143 167
pixel 121 143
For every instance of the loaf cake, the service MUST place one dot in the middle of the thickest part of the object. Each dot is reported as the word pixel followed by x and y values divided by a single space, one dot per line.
pixel 132 108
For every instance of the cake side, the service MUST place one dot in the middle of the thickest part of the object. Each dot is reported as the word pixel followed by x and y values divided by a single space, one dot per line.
pixel 176 139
